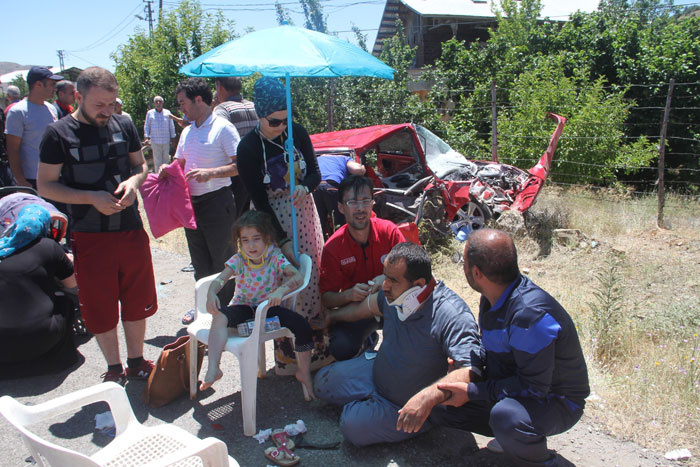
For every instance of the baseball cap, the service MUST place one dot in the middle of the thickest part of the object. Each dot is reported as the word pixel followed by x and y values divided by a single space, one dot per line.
pixel 37 73
pixel 119 101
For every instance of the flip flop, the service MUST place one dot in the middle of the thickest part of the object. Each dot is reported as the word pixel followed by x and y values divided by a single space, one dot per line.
pixel 188 318
pixel 282 456
pixel 281 439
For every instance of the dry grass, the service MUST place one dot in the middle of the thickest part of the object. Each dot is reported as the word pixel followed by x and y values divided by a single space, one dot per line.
pixel 650 391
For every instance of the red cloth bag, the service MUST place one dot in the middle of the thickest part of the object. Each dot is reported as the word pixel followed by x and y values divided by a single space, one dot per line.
pixel 167 201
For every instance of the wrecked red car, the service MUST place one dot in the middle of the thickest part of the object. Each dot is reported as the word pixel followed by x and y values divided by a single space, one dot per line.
pixel 418 177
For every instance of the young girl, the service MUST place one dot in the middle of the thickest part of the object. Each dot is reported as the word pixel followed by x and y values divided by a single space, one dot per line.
pixel 259 267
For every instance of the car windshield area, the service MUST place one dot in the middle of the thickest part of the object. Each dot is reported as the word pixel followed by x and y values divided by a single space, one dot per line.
pixel 440 157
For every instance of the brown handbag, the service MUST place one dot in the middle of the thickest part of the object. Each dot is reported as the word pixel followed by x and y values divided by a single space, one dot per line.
pixel 170 377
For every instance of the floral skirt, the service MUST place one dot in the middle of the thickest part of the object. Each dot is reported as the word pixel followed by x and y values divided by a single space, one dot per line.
pixel 308 303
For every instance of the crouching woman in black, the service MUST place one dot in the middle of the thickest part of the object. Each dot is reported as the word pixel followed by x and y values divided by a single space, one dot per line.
pixel 35 325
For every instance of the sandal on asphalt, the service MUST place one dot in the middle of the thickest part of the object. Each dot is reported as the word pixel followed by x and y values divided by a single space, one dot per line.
pixel 188 318
pixel 282 456
pixel 281 439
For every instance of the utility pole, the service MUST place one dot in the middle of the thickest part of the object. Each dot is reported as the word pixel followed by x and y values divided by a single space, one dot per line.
pixel 60 59
pixel 160 10
pixel 149 11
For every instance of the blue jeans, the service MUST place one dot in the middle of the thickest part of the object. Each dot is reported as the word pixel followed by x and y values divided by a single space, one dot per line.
pixel 367 417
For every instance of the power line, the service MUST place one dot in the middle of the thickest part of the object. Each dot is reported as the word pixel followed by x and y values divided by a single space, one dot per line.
pixel 108 36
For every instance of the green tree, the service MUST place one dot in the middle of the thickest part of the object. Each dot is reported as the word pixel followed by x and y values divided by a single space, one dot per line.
pixel 21 83
pixel 593 142
pixel 372 101
pixel 148 66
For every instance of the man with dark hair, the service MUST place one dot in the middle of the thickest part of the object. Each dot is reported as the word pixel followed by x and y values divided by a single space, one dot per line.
pixel 26 122
pixel 334 168
pixel 207 153
pixel 158 131
pixel 352 261
pixel 92 161
pixel 535 383
pixel 241 113
pixel 65 97
pixel 390 398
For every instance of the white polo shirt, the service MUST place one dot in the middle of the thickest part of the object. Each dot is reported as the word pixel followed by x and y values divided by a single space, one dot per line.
pixel 209 146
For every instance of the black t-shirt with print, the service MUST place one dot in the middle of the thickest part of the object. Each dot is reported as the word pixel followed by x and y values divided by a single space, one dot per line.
pixel 93 158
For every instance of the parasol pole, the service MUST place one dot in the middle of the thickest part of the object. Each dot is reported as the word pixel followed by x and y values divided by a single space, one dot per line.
pixel 290 154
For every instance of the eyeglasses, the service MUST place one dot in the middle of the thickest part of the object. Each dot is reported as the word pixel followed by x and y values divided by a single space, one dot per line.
pixel 359 203
pixel 275 122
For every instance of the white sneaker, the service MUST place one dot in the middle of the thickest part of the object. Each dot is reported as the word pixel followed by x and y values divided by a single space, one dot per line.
pixel 494 446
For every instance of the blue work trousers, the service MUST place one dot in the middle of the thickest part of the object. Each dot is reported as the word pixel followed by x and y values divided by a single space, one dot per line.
pixel 521 425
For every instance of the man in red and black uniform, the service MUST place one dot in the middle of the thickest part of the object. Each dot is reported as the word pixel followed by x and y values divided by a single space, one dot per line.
pixel 65 98
pixel 352 263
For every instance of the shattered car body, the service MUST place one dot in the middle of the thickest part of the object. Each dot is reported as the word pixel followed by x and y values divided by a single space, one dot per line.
pixel 418 177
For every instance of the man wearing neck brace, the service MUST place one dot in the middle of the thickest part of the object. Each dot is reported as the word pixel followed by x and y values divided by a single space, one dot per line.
pixel 388 396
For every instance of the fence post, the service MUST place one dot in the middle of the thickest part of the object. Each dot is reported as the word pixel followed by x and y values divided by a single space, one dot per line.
pixel 331 98
pixel 494 125
pixel 661 190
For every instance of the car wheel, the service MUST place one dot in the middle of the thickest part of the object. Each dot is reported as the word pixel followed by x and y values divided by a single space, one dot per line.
pixel 475 213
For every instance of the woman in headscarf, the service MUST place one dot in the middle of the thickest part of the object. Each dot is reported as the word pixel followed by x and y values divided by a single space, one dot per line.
pixel 35 327
pixel 262 162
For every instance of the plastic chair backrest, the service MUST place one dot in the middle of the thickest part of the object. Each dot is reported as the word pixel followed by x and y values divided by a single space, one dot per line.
pixel 258 333
pixel 40 449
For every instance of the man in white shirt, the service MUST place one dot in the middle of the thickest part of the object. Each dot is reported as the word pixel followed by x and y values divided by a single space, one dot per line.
pixel 26 122
pixel 207 153
pixel 158 130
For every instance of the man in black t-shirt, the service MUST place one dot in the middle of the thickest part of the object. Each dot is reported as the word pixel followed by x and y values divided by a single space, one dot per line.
pixel 97 156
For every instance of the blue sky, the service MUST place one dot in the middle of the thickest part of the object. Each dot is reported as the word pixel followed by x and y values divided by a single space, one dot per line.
pixel 89 30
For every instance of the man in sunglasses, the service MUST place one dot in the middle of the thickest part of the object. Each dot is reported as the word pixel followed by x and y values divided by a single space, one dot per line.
pixel 352 262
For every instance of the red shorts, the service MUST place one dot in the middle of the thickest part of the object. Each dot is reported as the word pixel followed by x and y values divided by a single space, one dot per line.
pixel 114 267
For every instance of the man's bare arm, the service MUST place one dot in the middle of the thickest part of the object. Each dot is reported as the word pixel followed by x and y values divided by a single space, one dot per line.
pixel 367 308
pixel 12 144
pixel 355 168
pixel 415 412
pixel 128 188
pixel 49 187
pixel 356 293
pixel 203 175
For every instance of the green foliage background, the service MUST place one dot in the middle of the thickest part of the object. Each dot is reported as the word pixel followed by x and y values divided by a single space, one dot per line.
pixel 148 66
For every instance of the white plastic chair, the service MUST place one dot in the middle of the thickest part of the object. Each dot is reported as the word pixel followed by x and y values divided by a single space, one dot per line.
pixel 134 444
pixel 250 350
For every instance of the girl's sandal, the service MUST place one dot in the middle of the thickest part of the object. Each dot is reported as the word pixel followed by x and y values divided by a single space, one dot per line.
pixel 282 456
pixel 281 439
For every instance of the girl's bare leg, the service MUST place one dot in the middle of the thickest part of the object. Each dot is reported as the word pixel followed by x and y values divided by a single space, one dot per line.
pixel 217 341
pixel 303 374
